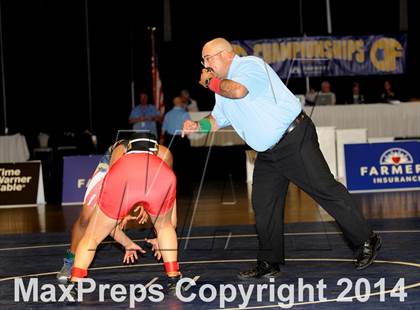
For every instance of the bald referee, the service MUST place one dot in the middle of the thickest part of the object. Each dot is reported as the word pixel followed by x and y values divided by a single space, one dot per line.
pixel 254 101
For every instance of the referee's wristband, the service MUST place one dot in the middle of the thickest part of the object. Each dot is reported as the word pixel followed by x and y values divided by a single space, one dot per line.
pixel 214 84
pixel 205 125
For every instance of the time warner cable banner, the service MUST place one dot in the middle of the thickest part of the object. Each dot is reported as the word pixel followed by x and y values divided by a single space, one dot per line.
pixel 382 166
pixel 330 55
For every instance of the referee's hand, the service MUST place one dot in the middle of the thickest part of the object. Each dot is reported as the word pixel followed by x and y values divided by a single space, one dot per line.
pixel 189 127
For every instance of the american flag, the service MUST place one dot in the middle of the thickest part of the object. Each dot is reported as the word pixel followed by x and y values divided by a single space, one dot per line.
pixel 157 83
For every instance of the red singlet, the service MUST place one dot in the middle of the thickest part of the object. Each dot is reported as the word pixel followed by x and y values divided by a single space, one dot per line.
pixel 138 178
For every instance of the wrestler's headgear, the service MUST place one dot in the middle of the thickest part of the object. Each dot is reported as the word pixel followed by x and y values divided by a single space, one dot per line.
pixel 143 141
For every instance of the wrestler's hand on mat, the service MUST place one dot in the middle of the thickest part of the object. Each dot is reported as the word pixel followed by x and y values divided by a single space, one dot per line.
pixel 189 127
pixel 131 253
pixel 155 247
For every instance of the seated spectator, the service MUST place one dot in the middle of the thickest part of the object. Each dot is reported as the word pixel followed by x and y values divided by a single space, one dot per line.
pixel 318 98
pixel 326 89
pixel 357 95
pixel 388 94
pixel 191 103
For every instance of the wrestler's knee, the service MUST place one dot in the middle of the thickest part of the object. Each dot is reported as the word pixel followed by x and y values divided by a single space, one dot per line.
pixel 83 221
pixel 163 223
pixel 85 216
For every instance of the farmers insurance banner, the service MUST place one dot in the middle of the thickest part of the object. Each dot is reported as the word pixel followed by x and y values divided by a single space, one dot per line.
pixel 330 56
pixel 77 170
pixel 382 166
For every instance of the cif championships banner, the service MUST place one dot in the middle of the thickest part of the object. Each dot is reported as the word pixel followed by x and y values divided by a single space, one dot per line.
pixel 382 166
pixel 329 55
pixel 77 170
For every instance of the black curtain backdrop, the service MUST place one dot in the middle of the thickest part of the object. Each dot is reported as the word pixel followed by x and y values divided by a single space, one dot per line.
pixel 46 73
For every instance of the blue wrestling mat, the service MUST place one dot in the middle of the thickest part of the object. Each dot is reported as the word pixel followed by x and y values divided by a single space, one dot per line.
pixel 318 273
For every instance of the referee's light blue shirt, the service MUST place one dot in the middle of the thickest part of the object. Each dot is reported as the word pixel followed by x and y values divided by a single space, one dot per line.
pixel 258 118
pixel 174 121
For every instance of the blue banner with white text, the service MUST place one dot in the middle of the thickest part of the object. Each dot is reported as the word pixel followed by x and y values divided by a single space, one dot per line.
pixel 77 170
pixel 329 55
pixel 382 166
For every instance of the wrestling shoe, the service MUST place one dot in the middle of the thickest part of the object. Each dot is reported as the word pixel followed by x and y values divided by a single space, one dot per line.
pixel 64 274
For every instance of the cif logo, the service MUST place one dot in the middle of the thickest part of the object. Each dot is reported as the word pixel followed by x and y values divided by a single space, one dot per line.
pixel 384 54
pixel 395 156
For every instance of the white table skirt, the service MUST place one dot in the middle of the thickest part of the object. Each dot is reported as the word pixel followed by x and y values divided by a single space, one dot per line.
pixel 380 120
pixel 13 149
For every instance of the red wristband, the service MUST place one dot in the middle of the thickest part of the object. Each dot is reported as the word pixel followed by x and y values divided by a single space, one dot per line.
pixel 78 272
pixel 171 267
pixel 214 85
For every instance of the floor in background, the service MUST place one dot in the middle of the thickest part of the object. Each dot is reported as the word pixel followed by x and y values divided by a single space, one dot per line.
pixel 218 203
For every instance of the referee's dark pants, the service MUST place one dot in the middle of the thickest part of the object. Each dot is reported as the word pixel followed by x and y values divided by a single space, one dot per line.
pixel 297 158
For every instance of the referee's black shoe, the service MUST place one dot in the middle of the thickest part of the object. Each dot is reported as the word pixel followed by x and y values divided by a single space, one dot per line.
pixel 263 269
pixel 366 254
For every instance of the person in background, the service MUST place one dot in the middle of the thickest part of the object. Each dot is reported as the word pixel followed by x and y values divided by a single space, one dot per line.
pixel 311 97
pixel 191 104
pixel 326 89
pixel 144 116
pixel 357 95
pixel 388 93
pixel 171 137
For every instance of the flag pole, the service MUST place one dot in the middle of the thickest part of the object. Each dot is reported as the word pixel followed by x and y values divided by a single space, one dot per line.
pixel 152 43
pixel 156 82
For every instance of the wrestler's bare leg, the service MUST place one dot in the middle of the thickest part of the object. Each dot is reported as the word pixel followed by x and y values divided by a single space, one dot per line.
pixel 99 227
pixel 166 155
pixel 78 229
pixel 79 226
pixel 166 235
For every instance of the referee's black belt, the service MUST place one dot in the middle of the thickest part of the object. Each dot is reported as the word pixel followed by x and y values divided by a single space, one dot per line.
pixel 299 119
